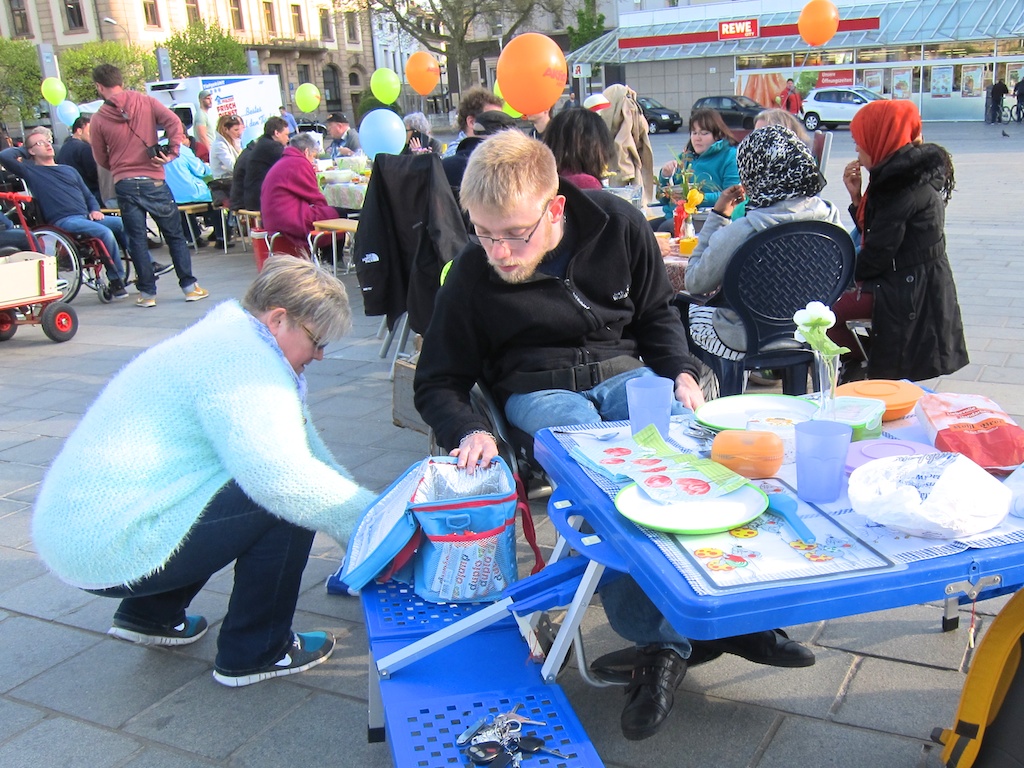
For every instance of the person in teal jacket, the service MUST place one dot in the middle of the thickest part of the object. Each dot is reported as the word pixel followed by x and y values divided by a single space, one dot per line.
pixel 711 155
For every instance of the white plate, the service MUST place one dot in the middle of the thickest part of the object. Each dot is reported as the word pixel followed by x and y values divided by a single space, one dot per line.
pixel 691 517
pixel 735 411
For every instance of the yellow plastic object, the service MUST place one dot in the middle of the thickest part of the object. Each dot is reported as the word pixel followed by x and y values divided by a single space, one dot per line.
pixel 748 453
pixel 686 245
pixel 899 397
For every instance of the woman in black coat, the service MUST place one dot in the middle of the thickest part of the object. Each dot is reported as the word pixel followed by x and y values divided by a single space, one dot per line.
pixel 917 332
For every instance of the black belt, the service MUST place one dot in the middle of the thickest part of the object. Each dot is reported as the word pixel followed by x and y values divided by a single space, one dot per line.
pixel 576 379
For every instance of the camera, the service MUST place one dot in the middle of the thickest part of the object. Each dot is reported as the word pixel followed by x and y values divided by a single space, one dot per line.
pixel 158 150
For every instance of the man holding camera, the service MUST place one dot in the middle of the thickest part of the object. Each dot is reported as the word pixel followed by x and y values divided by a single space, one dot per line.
pixel 125 141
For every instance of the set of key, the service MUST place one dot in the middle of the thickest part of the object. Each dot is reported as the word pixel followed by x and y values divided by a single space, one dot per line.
pixel 500 742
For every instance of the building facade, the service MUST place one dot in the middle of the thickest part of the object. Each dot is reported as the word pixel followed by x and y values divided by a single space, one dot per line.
pixel 942 55
pixel 324 42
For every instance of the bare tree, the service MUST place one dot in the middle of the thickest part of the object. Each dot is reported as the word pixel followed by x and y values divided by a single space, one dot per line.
pixel 448 27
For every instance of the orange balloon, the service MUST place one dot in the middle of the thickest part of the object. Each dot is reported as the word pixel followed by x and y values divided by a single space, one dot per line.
pixel 423 72
pixel 818 22
pixel 532 72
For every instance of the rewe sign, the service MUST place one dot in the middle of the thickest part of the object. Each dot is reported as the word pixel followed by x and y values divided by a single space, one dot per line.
pixel 737 30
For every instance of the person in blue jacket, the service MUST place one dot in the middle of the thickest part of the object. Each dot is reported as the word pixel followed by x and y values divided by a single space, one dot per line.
pixel 711 155
pixel 186 178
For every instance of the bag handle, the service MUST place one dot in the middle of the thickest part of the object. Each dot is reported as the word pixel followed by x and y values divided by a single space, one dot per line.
pixel 529 531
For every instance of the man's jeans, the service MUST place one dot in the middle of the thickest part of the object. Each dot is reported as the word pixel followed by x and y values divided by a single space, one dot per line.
pixel 269 553
pixel 630 612
pixel 110 230
pixel 136 198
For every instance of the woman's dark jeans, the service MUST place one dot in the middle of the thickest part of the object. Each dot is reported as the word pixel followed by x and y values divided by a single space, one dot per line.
pixel 269 555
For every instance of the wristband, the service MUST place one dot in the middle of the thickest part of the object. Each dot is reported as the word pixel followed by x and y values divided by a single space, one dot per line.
pixel 477 432
pixel 720 214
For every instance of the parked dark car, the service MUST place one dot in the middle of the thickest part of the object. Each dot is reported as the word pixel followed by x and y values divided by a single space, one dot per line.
pixel 307 126
pixel 737 111
pixel 659 117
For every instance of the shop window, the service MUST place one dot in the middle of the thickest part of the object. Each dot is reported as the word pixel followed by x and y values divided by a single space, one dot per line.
pixel 73 14
pixel 896 53
pixel 1013 47
pixel 960 50
pixel 765 61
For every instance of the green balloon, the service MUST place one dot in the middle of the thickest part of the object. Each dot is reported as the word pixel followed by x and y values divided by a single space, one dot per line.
pixel 385 85
pixel 511 111
pixel 53 90
pixel 307 97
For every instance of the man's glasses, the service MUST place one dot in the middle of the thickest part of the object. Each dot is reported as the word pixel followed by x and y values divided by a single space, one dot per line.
pixel 40 143
pixel 512 243
pixel 320 345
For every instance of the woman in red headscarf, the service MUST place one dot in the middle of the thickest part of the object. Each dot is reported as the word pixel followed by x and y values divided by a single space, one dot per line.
pixel 905 284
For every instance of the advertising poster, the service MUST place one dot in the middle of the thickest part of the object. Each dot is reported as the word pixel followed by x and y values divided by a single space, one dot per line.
pixel 942 82
pixel 971 79
pixel 902 83
pixel 874 80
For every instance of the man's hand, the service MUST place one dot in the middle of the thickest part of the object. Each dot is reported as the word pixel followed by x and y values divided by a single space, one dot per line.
pixel 474 447
pixel 345 151
pixel 729 199
pixel 162 159
pixel 688 391
pixel 95 215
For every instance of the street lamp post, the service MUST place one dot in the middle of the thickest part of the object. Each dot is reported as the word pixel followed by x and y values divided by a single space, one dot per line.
pixel 108 20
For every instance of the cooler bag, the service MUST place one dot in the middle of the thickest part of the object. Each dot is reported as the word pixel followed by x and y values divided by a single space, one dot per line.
pixel 448 533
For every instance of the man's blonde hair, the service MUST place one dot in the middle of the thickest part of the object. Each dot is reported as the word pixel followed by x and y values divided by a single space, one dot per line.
pixel 506 170
pixel 309 294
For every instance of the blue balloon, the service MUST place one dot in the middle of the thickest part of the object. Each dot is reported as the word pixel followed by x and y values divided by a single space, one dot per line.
pixel 251 133
pixel 382 131
pixel 67 112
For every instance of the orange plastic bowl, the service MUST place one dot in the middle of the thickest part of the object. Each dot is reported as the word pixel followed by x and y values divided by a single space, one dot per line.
pixel 899 397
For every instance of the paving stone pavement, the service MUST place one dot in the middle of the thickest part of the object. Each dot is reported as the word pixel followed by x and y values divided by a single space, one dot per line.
pixel 71 696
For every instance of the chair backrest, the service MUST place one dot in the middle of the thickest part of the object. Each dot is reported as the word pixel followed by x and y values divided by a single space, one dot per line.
pixel 779 271
pixel 822 148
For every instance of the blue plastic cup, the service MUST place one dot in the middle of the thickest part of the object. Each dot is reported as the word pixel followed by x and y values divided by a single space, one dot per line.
pixel 821 448
pixel 650 402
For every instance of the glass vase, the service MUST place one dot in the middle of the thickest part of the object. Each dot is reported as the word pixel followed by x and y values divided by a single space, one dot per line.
pixel 827 368
pixel 688 230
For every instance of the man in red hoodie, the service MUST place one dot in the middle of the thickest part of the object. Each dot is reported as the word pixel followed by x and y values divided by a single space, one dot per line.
pixel 125 141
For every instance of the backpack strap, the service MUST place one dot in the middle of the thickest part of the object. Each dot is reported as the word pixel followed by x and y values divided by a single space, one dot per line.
pixel 529 530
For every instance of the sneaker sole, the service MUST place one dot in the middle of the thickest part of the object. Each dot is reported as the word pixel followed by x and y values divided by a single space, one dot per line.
pixel 196 298
pixel 259 677
pixel 141 638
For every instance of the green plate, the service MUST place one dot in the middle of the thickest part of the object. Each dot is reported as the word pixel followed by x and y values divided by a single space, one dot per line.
pixel 692 517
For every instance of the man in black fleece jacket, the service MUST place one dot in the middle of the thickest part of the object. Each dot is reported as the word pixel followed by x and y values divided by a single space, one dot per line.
pixel 553 303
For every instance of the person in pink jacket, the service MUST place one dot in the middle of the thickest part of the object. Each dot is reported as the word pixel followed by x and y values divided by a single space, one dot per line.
pixel 290 199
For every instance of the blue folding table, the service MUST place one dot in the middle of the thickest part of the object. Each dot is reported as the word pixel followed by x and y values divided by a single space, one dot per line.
pixel 964 576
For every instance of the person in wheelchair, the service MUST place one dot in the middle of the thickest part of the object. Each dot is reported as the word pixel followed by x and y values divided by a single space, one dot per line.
pixel 780 182
pixel 64 200
pixel 553 303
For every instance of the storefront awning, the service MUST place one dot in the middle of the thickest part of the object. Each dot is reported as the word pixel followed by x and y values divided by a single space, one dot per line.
pixel 901 22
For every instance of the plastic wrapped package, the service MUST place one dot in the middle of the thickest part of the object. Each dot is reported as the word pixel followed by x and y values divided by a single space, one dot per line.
pixel 974 426
pixel 936 496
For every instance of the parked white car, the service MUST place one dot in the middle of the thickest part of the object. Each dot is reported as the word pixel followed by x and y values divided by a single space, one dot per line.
pixel 829 107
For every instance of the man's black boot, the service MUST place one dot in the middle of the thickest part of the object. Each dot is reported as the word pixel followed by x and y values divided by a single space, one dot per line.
pixel 651 692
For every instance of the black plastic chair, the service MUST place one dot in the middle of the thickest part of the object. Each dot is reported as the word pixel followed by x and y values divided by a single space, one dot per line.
pixel 771 276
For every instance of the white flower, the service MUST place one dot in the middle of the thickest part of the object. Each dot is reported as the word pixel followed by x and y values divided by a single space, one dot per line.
pixel 814 315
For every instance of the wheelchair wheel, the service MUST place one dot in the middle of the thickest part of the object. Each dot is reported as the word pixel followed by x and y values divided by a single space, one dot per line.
pixel 69 265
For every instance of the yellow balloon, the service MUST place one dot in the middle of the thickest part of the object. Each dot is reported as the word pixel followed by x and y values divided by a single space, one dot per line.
pixel 307 97
pixel 53 90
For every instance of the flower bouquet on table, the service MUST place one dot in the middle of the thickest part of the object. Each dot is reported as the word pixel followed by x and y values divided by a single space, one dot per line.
pixel 812 324
pixel 686 195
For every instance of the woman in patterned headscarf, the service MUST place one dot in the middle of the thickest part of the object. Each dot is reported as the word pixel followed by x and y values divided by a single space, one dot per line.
pixel 905 282
pixel 780 182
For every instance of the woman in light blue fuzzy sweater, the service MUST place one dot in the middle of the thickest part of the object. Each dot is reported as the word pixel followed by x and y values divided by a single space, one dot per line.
pixel 146 503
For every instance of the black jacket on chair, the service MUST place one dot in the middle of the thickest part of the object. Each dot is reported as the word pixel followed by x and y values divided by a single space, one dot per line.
pixel 265 153
pixel 917 332
pixel 409 227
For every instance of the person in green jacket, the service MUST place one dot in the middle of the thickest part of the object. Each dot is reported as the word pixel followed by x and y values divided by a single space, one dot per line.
pixel 711 157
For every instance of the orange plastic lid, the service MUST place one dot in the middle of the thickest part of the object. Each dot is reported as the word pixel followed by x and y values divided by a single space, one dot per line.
pixel 899 396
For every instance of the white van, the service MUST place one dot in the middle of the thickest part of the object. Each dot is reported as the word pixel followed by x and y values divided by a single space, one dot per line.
pixel 254 98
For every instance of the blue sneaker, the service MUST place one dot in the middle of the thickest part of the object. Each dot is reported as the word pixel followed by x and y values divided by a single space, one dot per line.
pixel 190 630
pixel 306 651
